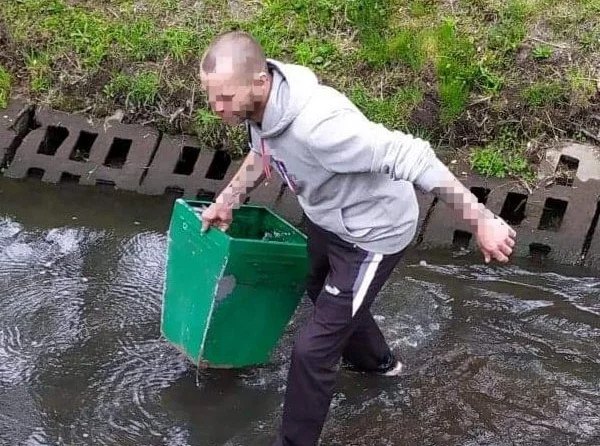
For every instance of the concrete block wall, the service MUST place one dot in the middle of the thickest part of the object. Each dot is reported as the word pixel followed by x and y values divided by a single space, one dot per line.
pixel 558 221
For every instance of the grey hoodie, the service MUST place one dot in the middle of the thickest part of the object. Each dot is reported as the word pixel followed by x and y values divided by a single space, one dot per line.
pixel 351 176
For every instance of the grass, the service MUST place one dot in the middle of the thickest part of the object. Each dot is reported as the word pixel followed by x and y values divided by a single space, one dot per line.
pixel 392 111
pixel 5 81
pixel 134 90
pixel 505 156
pixel 544 93
pixel 510 30
pixel 435 68
pixel 542 52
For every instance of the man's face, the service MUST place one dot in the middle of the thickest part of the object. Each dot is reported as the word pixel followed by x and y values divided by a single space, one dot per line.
pixel 230 98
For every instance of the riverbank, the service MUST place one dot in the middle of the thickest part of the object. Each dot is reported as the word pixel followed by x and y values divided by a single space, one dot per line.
pixel 491 83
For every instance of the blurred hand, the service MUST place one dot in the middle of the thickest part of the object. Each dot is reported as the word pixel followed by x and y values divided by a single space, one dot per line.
pixel 218 215
pixel 496 239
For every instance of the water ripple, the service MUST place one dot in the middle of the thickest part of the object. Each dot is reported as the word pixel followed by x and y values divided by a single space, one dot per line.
pixel 495 355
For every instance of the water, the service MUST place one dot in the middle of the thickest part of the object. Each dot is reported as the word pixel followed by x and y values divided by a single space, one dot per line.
pixel 501 355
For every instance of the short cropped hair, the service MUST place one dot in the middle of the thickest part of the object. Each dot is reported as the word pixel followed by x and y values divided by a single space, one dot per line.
pixel 248 56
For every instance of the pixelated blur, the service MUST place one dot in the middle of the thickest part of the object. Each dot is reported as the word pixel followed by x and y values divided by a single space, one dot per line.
pixel 246 178
pixel 234 77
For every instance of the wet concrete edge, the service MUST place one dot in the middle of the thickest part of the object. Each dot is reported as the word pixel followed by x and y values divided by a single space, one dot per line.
pixel 557 222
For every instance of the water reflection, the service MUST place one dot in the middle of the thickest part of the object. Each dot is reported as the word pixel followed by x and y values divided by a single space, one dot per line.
pixel 500 355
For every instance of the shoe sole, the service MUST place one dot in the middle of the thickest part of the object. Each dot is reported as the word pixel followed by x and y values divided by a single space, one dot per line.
pixel 396 370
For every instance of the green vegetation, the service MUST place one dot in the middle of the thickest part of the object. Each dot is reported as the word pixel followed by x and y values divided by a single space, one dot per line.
pixel 435 68
pixel 544 94
pixel 391 111
pixel 541 52
pixel 504 157
pixel 140 89
pixel 4 87
pixel 510 30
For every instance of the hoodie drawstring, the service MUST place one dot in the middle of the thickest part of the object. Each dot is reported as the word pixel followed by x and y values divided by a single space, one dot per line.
pixel 265 159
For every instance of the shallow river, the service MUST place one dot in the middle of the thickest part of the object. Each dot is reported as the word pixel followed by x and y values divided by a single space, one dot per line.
pixel 496 355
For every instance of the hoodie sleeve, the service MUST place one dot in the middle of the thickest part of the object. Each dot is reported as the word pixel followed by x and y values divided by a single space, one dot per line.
pixel 347 142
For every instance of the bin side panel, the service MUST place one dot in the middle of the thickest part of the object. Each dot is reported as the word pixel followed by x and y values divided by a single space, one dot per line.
pixel 195 263
pixel 259 293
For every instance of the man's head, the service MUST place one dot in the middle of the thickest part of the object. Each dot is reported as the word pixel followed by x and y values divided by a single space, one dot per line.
pixel 235 77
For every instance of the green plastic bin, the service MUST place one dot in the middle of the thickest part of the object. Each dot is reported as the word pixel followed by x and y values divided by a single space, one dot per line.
pixel 228 297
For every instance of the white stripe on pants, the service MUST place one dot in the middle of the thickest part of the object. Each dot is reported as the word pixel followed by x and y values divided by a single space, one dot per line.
pixel 359 297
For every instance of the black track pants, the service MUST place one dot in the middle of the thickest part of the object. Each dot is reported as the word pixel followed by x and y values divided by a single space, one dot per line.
pixel 343 283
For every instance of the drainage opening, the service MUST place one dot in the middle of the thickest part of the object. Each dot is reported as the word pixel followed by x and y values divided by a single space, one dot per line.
pixel 481 193
pixel 513 209
pixel 35 172
pixel 83 146
pixel 174 191
pixel 117 155
pixel 67 177
pixel 539 250
pixel 566 170
pixel 105 183
pixel 24 124
pixel 553 214
pixel 187 161
pixel 219 165
pixel 53 139
pixel 591 230
pixel 461 239
pixel 205 195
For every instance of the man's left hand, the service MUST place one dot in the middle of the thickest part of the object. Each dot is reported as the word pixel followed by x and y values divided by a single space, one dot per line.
pixel 496 239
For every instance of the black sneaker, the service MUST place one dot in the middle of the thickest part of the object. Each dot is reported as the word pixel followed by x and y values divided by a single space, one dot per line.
pixel 392 367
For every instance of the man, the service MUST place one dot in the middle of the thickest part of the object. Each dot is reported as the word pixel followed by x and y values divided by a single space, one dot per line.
pixel 355 181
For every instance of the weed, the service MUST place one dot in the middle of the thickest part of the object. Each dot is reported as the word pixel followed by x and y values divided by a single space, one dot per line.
pixel 422 8
pixel 5 82
pixel 144 88
pixel 503 157
pixel 118 86
pixel 85 33
pixel 181 44
pixel 541 52
pixel 38 67
pixel 217 135
pixel 138 40
pixel 393 112
pixel 589 40
pixel 541 94
pixel 488 80
pixel 407 47
pixel 371 20
pixel 456 70
pixel 591 7
pixel 141 89
pixel 582 86
pixel 314 52
pixel 510 30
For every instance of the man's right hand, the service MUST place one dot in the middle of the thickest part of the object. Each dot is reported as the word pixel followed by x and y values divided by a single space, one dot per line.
pixel 218 215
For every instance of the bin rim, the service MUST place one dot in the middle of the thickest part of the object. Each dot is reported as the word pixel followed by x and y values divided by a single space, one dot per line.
pixel 189 202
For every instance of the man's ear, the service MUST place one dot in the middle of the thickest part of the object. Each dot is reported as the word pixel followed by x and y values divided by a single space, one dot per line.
pixel 203 80
pixel 262 79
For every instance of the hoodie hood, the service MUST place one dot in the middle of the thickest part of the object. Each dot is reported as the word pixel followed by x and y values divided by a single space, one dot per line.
pixel 293 87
